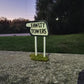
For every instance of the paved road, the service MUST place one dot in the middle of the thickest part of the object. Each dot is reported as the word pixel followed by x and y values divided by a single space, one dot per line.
pixel 17 34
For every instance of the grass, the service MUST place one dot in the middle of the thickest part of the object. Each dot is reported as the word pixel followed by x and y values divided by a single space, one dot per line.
pixel 73 43
pixel 39 57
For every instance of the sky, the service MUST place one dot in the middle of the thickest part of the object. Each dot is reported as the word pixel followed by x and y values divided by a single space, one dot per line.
pixel 13 9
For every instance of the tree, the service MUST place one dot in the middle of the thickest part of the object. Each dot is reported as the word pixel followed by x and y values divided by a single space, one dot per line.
pixel 42 9
pixel 4 25
pixel 71 11
pixel 18 25
pixel 63 16
pixel 44 12
pixel 14 26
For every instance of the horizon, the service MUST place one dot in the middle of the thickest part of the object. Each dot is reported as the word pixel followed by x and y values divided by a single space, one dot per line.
pixel 11 19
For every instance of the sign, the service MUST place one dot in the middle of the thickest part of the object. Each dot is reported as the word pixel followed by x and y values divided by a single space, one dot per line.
pixel 38 28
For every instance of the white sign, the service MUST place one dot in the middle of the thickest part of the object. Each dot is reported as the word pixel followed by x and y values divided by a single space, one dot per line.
pixel 38 28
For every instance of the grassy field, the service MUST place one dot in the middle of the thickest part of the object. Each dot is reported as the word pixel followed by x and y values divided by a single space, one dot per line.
pixel 73 43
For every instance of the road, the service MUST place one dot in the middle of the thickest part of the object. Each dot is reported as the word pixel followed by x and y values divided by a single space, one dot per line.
pixel 16 34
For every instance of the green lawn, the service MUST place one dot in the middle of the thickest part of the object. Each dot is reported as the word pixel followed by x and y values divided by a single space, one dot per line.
pixel 73 43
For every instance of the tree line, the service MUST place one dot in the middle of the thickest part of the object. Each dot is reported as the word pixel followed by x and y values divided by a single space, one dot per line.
pixel 63 16
pixel 14 26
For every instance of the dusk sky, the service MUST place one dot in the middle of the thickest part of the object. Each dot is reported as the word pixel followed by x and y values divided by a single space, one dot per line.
pixel 12 9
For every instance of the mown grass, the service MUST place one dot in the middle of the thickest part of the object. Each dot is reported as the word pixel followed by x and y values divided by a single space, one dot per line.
pixel 73 43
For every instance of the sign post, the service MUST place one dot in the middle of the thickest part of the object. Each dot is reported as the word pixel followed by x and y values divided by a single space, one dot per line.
pixel 35 45
pixel 44 43
pixel 39 28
